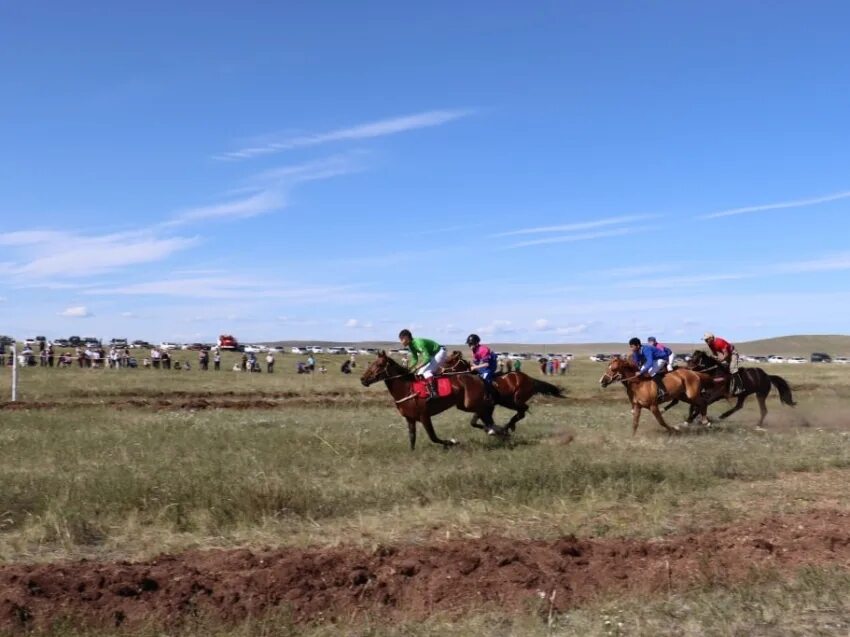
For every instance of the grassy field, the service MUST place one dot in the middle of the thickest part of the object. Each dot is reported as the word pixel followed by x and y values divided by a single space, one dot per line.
pixel 325 461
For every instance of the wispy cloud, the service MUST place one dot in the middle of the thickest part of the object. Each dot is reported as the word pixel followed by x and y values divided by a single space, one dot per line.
pixel 77 311
pixel 684 281
pixel 239 287
pixel 570 238
pixel 832 263
pixel 357 324
pixel 369 130
pixel 268 190
pixel 796 203
pixel 58 254
pixel 544 325
pixel 574 227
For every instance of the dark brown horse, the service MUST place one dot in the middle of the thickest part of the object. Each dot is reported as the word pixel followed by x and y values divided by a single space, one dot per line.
pixel 752 380
pixel 682 384
pixel 468 394
pixel 512 390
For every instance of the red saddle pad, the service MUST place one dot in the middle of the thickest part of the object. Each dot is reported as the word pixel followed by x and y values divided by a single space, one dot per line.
pixel 444 387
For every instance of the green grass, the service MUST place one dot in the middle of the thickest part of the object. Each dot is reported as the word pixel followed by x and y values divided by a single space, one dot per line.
pixel 333 466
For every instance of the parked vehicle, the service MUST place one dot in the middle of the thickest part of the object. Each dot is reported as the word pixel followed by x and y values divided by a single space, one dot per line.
pixel 229 342
pixel 775 359
pixel 841 360
pixel 820 357
pixel 600 358
pixel 167 345
pixel 796 360
pixel 298 350
pixel 315 349
pixel 251 349
pixel 118 342
pixel 336 350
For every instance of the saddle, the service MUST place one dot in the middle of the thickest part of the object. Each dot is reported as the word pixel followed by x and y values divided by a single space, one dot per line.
pixel 444 387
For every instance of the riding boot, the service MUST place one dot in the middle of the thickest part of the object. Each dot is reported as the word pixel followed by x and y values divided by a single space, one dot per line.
pixel 662 392
pixel 735 384
pixel 432 390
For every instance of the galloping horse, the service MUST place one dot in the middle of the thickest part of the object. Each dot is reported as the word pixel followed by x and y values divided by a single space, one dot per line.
pixel 681 384
pixel 468 394
pixel 754 380
pixel 512 390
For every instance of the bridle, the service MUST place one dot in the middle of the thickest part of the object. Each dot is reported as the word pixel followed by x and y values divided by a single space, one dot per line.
pixel 377 378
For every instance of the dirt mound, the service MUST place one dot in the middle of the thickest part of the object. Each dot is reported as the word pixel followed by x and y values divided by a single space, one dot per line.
pixel 410 581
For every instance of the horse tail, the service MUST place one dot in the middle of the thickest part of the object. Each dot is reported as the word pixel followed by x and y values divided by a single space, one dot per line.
pixel 547 389
pixel 783 388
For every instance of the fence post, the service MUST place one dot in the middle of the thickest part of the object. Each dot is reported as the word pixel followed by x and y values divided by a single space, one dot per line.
pixel 14 374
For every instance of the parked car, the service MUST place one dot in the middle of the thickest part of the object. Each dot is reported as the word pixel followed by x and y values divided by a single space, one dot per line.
pixel 336 350
pixel 61 342
pixel 796 360
pixel 820 357
pixel 251 349
pixel 841 360
pixel 315 349
pixel 168 345
pixel 298 350
pixel 276 349
pixel 118 342
pixel 351 350
pixel 775 359
pixel 139 344
pixel 759 359
pixel 600 358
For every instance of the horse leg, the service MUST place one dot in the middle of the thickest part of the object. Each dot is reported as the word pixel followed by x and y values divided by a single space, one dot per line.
pixel 519 415
pixel 762 408
pixel 635 417
pixel 737 406
pixel 474 422
pixel 657 413
pixel 671 404
pixel 489 424
pixel 411 432
pixel 432 435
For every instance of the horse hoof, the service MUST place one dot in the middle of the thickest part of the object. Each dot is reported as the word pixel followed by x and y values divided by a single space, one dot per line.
pixel 452 441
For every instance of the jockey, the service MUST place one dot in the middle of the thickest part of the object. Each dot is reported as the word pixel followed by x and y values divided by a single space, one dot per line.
pixel 650 361
pixel 667 352
pixel 428 355
pixel 484 360
pixel 725 354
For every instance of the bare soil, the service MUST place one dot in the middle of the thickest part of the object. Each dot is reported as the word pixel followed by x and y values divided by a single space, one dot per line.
pixel 412 581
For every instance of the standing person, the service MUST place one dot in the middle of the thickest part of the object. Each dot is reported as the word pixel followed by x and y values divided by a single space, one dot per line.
pixel 426 357
pixel 517 365
pixel 666 351
pixel 565 365
pixel 725 354
pixel 217 360
pixel 542 362
pixel 42 358
pixel 244 361
pixel 270 363
pixel 556 366
pixel 353 361
pixel 346 367
pixel 50 354
pixel 311 363
pixel 650 361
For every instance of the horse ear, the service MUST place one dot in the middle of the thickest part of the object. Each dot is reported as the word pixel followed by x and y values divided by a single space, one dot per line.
pixel 382 353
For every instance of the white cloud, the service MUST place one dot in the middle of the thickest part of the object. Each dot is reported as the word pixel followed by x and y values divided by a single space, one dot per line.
pixel 544 325
pixel 77 311
pixel 499 326
pixel 129 315
pixel 71 255
pixel 268 190
pixel 570 238
pixel 256 204
pixel 369 130
pixel 356 324
pixel 581 225
pixel 796 203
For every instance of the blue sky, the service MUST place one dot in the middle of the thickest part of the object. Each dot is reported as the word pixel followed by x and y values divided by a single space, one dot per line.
pixel 556 172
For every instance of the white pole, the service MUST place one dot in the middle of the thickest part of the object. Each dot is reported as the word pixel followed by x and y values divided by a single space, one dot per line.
pixel 14 374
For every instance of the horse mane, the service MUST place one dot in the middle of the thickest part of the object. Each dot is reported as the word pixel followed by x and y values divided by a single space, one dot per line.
pixel 395 367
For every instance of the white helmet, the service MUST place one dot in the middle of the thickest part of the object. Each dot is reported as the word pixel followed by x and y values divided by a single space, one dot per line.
pixel 707 336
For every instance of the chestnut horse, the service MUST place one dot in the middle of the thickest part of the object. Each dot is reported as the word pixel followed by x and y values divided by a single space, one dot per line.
pixel 468 394
pixel 753 380
pixel 512 390
pixel 681 384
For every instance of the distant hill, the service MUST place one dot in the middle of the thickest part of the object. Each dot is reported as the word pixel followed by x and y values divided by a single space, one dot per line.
pixel 798 345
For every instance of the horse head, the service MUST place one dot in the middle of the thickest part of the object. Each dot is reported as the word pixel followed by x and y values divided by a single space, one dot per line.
pixel 618 369
pixel 382 368
pixel 700 361
pixel 455 363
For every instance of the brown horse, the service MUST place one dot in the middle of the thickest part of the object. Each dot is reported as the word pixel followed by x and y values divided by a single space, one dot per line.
pixel 468 394
pixel 682 384
pixel 512 390
pixel 752 380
